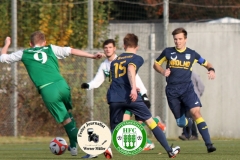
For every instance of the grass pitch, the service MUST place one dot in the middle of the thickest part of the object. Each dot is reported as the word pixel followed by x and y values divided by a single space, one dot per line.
pixel 37 148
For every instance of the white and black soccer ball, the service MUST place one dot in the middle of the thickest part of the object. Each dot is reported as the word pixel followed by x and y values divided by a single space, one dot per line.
pixel 58 145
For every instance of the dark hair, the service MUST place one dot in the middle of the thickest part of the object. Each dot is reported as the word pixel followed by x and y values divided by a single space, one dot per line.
pixel 180 30
pixel 108 41
pixel 37 37
pixel 130 40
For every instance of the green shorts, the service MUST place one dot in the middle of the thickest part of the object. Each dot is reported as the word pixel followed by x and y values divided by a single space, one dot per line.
pixel 57 98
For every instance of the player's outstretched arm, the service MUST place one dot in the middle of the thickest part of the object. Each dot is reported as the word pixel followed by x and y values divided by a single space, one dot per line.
pixel 6 45
pixel 98 79
pixel 211 71
pixel 9 58
pixel 81 53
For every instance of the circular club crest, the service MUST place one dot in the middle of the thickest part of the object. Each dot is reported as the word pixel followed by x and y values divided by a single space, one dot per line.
pixel 129 137
pixel 94 137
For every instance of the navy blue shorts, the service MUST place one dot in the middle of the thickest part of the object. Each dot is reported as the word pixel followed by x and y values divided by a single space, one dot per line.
pixel 181 98
pixel 139 109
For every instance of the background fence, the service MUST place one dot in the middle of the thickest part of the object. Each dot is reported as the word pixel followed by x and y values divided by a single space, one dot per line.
pixel 66 23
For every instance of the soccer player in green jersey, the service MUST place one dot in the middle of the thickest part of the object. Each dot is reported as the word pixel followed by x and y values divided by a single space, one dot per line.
pixel 41 62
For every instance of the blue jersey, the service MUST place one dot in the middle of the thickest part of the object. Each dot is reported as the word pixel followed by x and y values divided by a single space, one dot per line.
pixel 120 87
pixel 180 64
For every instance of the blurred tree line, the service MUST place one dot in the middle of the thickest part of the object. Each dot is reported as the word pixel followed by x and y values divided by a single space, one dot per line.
pixel 179 10
pixel 63 21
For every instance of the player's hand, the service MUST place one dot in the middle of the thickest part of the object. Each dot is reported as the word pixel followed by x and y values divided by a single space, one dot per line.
pixel 8 41
pixel 133 95
pixel 98 55
pixel 85 86
pixel 167 72
pixel 211 75
pixel 146 100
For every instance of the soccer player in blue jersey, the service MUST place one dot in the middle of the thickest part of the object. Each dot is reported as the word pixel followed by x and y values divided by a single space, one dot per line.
pixel 41 62
pixel 179 90
pixel 123 95
pixel 103 74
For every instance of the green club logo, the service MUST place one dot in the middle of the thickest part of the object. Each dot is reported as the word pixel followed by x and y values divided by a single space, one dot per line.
pixel 129 137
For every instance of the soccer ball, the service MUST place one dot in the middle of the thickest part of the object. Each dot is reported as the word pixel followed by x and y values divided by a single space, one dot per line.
pixel 58 145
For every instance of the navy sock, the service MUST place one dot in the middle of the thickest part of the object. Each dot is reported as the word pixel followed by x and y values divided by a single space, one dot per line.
pixel 203 130
pixel 159 135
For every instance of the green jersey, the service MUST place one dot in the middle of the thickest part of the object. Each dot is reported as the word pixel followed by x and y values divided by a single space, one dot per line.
pixel 42 65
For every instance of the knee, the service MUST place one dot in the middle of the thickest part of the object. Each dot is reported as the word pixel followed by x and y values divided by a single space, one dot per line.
pixel 66 121
pixel 181 122
pixel 195 113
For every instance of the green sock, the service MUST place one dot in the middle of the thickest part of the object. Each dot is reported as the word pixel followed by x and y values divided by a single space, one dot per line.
pixel 149 141
pixel 156 120
pixel 72 131
pixel 143 124
pixel 72 142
